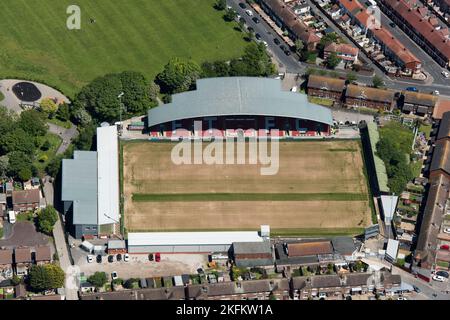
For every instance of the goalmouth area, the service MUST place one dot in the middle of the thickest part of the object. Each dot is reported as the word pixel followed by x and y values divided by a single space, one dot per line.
pixel 320 189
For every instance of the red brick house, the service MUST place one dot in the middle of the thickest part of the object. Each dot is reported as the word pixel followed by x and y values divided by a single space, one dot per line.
pixel 360 96
pixel 325 87
pixel 26 200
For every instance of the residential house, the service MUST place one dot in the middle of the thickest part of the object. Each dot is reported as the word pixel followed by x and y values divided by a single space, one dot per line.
pixel 6 262
pixel 173 293
pixel 325 87
pixel 360 96
pixel 22 259
pixel 285 17
pixel 421 104
pixel 43 255
pixel 344 51
pixel 252 254
pixel 26 200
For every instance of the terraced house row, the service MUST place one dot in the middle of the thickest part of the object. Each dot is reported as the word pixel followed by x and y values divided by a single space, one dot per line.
pixel 354 96
pixel 421 26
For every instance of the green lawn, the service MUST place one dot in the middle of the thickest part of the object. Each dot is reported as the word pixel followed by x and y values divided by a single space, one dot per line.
pixel 1 97
pixel 139 35
pixel 64 124
pixel 426 129
pixel 43 157
pixel 250 197
pixel 1 233
pixel 322 101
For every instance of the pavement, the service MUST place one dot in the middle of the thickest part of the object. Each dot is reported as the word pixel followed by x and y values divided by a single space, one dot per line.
pixel 67 135
pixel 24 233
pixel 11 101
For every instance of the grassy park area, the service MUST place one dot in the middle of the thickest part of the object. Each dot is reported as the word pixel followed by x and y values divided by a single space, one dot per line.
pixel 115 35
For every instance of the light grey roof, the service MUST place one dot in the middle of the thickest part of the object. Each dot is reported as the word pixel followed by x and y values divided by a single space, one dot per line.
pixel 238 96
pixel 251 247
pixel 116 244
pixel 79 184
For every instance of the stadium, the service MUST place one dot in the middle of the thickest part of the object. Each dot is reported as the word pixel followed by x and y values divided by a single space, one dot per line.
pixel 239 106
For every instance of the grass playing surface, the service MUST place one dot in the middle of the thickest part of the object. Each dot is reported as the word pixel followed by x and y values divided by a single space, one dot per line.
pixel 138 35
pixel 320 186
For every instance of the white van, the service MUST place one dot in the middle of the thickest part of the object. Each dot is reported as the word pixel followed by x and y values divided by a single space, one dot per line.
pixel 12 217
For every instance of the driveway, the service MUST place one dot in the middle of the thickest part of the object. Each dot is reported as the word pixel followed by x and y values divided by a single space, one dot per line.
pixel 24 233
pixel 67 135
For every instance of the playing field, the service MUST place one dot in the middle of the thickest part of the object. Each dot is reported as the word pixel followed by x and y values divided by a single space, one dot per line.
pixel 137 35
pixel 320 187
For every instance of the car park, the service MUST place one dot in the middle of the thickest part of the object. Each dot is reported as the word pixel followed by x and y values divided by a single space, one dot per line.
pixel 276 41
pixel 99 259
pixel 114 275
pixel 438 278
pixel 90 259
pixel 249 12
pixel 119 257
pixel 126 257
pixel 242 5
pixel 255 20
pixel 110 259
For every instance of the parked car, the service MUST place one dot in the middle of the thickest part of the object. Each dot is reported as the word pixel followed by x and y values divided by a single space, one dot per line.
pixel 126 257
pixel 294 89
pixel 150 257
pixel 90 259
pixel 287 52
pixel 255 20
pixel 242 5
pixel 258 36
pixel 119 257
pixel 250 29
pixel 276 41
pixel 445 247
pixel 416 289
pixel 283 47
pixel 442 273
pixel 413 89
pixel 401 298
pixel 157 257
pixel 265 43
pixel 114 275
pixel 445 73
pixel 435 92
pixel 438 278
pixel 110 259
pixel 446 230
pixel 392 24
pixel 249 12
pixel 99 259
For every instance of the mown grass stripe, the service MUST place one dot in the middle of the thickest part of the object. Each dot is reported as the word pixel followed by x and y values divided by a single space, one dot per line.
pixel 139 197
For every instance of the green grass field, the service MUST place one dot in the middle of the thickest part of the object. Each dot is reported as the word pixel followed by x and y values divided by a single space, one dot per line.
pixel 138 35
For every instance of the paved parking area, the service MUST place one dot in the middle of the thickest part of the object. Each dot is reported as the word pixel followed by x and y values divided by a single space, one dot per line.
pixel 24 233
pixel 140 267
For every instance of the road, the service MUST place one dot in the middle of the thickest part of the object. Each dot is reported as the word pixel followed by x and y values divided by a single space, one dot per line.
pixel 291 63
pixel 71 287
pixel 67 135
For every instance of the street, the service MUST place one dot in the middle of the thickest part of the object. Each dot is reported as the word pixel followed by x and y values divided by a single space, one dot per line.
pixel 291 63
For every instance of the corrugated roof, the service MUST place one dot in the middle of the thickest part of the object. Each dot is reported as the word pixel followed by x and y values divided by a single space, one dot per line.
pixel 79 184
pixel 392 248
pixel 251 247
pixel 309 248
pixel 191 238
pixel 389 204
pixel 238 96
pixel 380 167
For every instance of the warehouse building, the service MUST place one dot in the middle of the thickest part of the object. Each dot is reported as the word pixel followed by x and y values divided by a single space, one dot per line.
pixel 188 242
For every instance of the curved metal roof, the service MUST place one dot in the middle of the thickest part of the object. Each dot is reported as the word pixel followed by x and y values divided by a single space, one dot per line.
pixel 238 96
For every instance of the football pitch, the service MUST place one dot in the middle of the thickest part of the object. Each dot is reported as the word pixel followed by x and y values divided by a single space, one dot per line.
pixel 115 35
pixel 320 188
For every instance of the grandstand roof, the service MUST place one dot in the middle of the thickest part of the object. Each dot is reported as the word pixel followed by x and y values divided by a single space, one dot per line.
pixel 380 168
pixel 238 96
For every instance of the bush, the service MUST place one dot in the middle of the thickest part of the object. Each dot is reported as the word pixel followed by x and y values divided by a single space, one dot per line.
pixel 98 279
pixel 46 277
pixel 46 219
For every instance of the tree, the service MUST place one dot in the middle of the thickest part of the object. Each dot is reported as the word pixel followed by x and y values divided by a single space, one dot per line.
pixel 54 166
pixel 18 161
pixel 299 46
pixel 63 112
pixel 85 139
pixel 98 279
pixel 32 122
pixel 82 117
pixel 130 283
pixel 215 69
pixel 46 219
pixel 220 5
pixel 377 82
pixel 4 161
pixel 332 60
pixel 17 140
pixel 46 145
pixel 178 75
pixel 136 96
pixel 230 15
pixel 153 90
pixel 46 277
pixel 257 60
pixel 351 76
pixel 25 174
pixel 48 106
